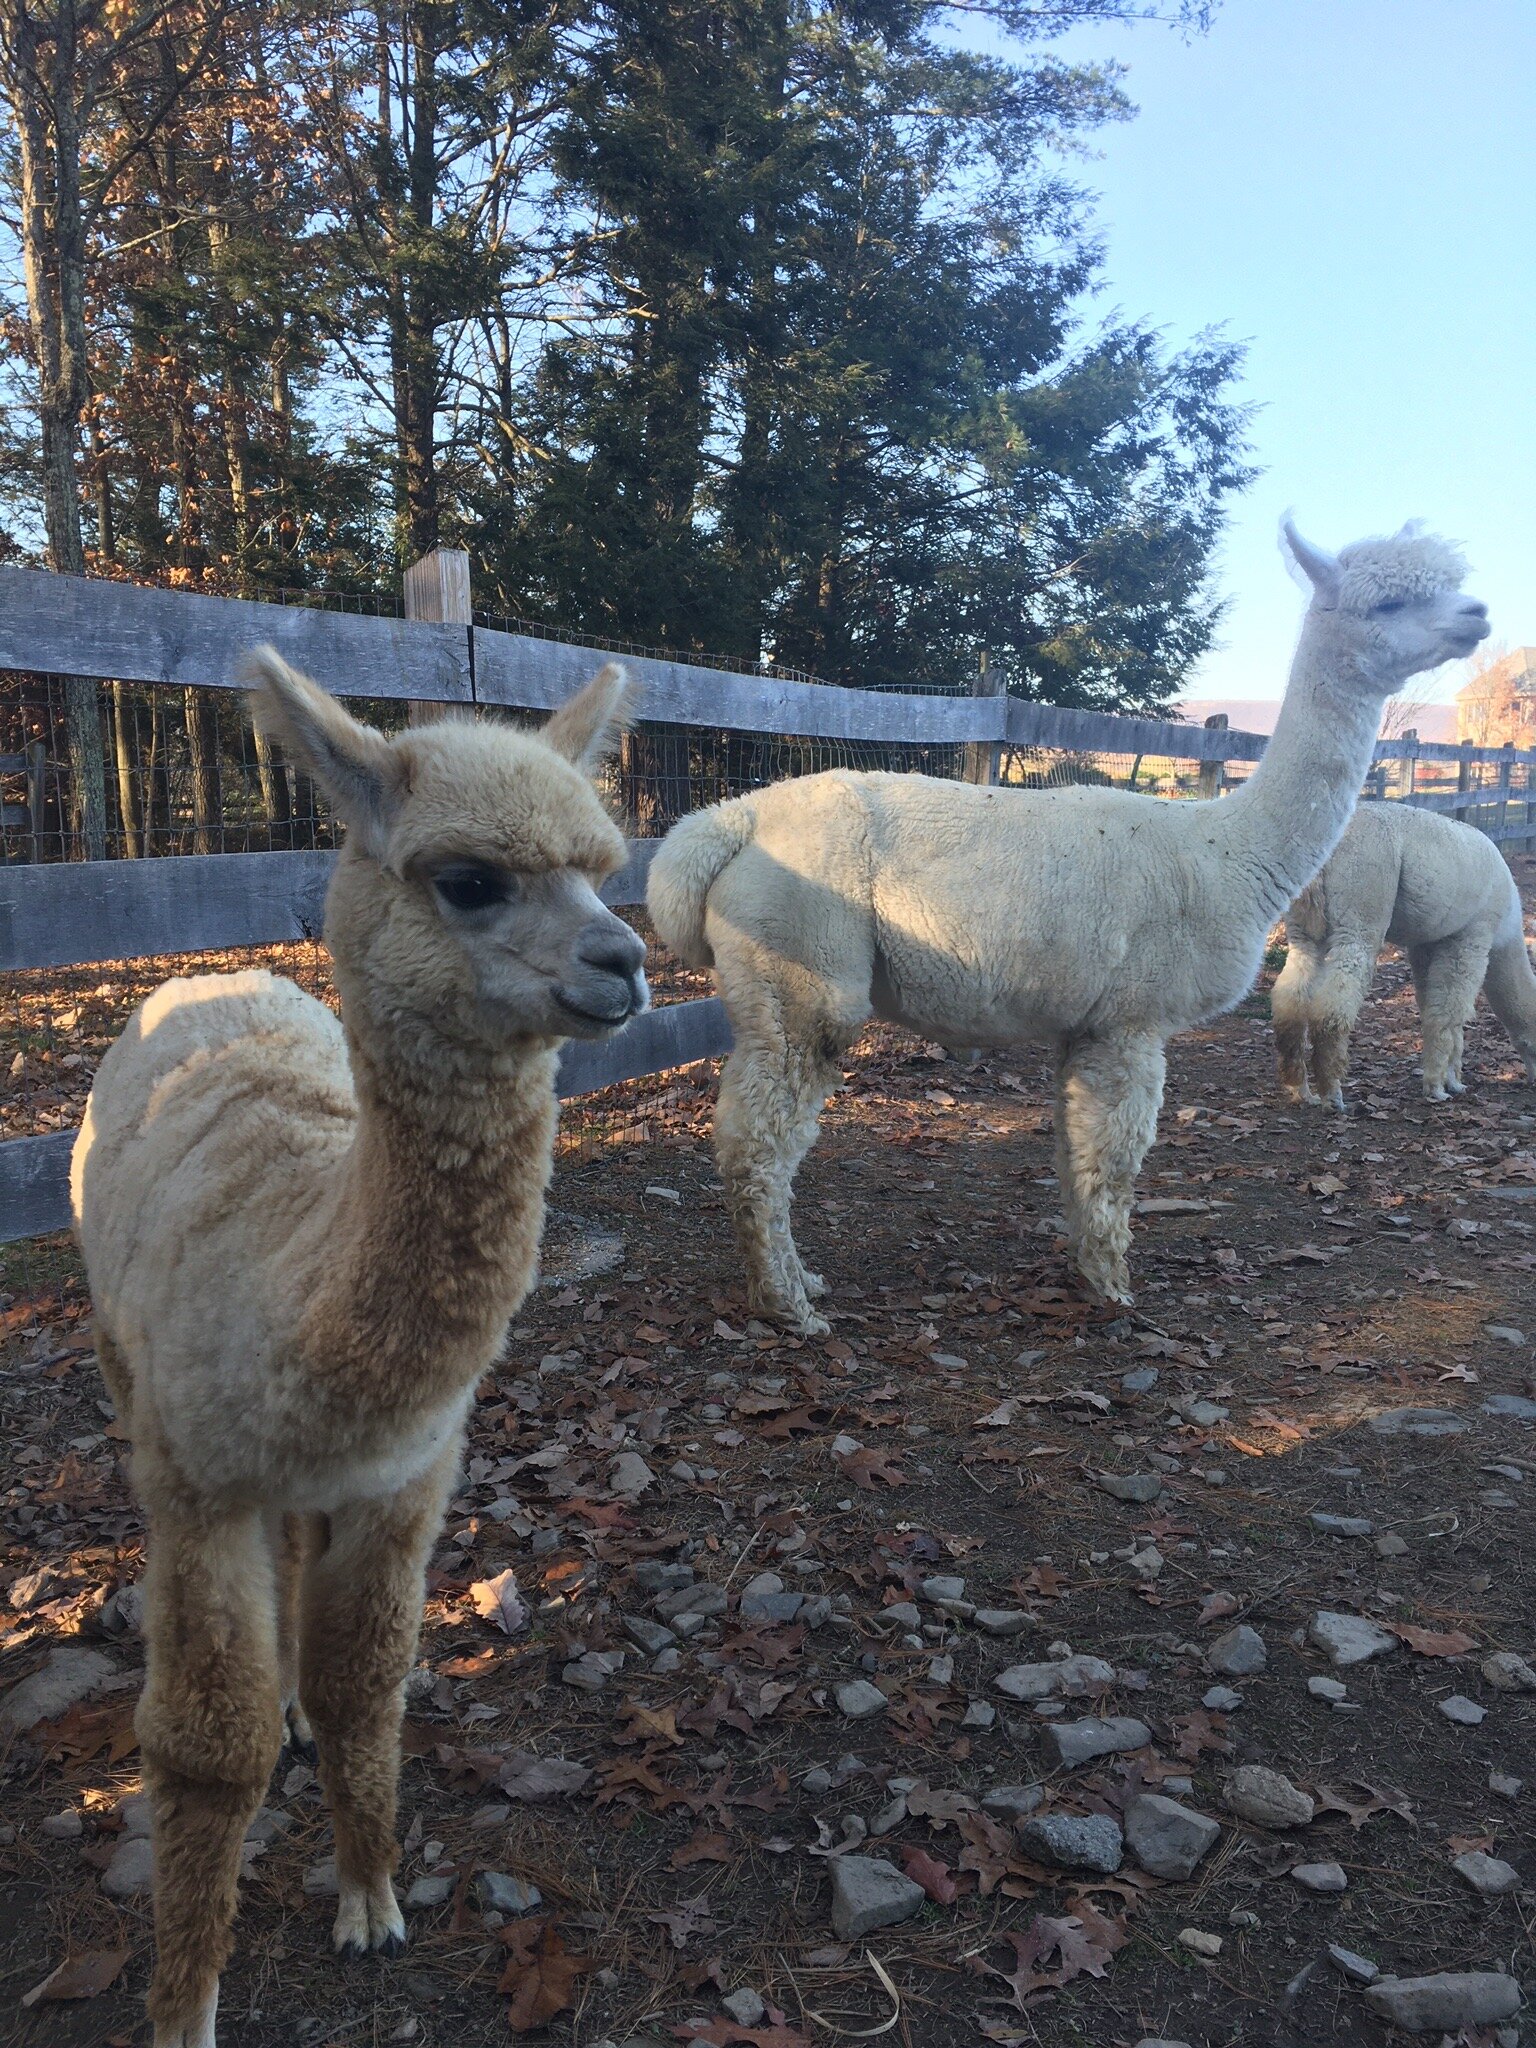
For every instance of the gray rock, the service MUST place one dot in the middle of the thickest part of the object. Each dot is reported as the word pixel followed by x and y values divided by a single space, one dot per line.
pixel 979 1714
pixel 817 1611
pixel 1166 1838
pixel 902 1614
pixel 1073 1841
pixel 320 1880
pixel 1391 1545
pixel 1507 1672
pixel 65 1826
pixel 1141 1381
pixel 1503 1786
pixel 1320 1877
pixel 1417 1422
pixel 430 1891
pixel 1011 1802
pixel 859 1700
pixel 1341 1525
pixel 1441 2004
pixel 499 1893
pixel 1486 1874
pixel 132 1869
pixel 1221 1699
pixel 629 1475
pixel 1062 1678
pixel 745 2007
pixel 1464 1712
pixel 68 1676
pixel 1001 1621
pixel 1255 1793
pixel 1139 1487
pixel 593 1671
pixel 1354 1968
pixel 1199 1943
pixel 1518 1407
pixel 1237 1654
pixel 1147 2041
pixel 1332 1689
pixel 653 1577
pixel 1350 1639
pixel 817 1781
pixel 651 1636
pixel 1069 1743
pixel 771 1609
pixel 868 1893
pixel 941 1589
pixel 1504 1333
pixel 701 1598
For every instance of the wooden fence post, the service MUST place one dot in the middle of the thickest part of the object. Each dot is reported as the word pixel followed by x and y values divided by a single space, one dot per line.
pixel 1212 772
pixel 437 588
pixel 1408 763
pixel 1501 787
pixel 982 756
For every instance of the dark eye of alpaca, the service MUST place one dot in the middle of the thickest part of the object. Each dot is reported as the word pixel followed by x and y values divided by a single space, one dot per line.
pixel 1391 604
pixel 472 886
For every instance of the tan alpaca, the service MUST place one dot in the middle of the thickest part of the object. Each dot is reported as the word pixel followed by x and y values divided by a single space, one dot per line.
pixel 304 1240
pixel 1438 888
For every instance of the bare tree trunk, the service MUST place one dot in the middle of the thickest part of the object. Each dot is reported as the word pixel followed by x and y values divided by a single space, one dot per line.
pixel 127 794
pixel 203 754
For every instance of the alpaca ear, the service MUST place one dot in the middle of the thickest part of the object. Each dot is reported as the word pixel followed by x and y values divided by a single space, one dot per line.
pixel 1320 568
pixel 352 763
pixel 586 724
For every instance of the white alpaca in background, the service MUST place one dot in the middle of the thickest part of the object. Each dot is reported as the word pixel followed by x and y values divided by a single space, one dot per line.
pixel 1099 921
pixel 1440 890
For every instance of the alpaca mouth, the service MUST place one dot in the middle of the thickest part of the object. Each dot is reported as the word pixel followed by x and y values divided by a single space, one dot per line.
pixel 606 1020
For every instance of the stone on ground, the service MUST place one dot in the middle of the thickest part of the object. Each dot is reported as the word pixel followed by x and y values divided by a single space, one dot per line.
pixel 1166 1838
pixel 1255 1793
pixel 1011 1802
pixel 430 1891
pixel 1073 1841
pixel 68 1676
pixel 1350 1638
pixel 1507 1672
pixel 1464 1712
pixel 1332 1689
pixel 867 1894
pixel 1487 1874
pixel 1341 1525
pixel 1062 1678
pixel 1357 1969
pixel 502 1894
pixel 1441 2004
pixel 745 2007
pixel 1239 1653
pixel 859 1700
pixel 1417 1422
pixel 1320 1877
pixel 1070 1743
pixel 132 1869
pixel 1199 1943
pixel 1137 1487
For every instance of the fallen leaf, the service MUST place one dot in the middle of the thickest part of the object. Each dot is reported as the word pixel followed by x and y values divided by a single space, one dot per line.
pixel 498 1600
pixel 540 1975
pixel 1216 1607
pixel 1347 1799
pixel 534 1778
pixel 1454 1643
pixel 701 1848
pixel 81 1976
pixel 933 1876
pixel 864 1467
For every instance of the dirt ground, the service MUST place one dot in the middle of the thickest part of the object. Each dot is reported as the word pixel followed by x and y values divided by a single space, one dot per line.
pixel 1299 1275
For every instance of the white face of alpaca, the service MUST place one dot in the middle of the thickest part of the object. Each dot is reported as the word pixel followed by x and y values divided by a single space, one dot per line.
pixel 1395 605
pixel 474 858
pixel 546 954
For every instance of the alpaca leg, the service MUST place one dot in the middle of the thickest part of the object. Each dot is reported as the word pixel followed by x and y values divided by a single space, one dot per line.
pixel 208 1727
pixel 1290 1010
pixel 1337 993
pixel 1108 1093
pixel 286 1538
pixel 1452 977
pixel 362 1605
pixel 766 1120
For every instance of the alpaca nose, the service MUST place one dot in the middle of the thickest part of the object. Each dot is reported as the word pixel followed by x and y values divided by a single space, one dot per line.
pixel 612 949
pixel 1474 607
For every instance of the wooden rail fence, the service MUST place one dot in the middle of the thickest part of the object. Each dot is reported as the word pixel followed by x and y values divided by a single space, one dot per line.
pixel 57 914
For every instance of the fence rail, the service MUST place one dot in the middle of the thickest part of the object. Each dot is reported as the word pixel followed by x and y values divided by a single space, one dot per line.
pixel 71 912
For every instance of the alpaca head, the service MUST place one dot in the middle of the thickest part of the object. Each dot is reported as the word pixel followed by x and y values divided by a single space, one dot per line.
pixel 1390 608
pixel 465 904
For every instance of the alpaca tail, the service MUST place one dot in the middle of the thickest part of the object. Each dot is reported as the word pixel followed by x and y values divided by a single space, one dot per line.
pixel 690 859
pixel 1510 985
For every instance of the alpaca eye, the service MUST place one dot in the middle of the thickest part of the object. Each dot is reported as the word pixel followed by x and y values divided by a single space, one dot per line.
pixel 471 886
pixel 1391 604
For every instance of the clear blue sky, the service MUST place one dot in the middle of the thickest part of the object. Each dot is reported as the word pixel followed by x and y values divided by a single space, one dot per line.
pixel 1350 185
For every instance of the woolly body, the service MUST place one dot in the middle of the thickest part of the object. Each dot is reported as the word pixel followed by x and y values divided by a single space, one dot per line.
pixel 1097 920
pixel 305 1239
pixel 1439 889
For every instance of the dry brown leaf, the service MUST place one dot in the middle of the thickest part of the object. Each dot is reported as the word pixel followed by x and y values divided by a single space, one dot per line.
pixel 82 1976
pixel 1430 1643
pixel 540 1975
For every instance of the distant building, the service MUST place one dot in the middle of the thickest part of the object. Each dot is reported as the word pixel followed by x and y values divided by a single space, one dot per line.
pixel 1498 707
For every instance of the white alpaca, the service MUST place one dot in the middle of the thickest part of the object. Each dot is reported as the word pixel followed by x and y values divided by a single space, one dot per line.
pixel 305 1239
pixel 1440 890
pixel 1099 921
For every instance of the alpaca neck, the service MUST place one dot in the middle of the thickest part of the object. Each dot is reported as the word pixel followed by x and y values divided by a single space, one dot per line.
pixel 1279 828
pixel 432 1239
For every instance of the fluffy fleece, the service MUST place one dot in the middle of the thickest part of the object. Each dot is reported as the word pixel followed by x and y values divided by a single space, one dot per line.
pixel 1099 921
pixel 304 1240
pixel 1440 890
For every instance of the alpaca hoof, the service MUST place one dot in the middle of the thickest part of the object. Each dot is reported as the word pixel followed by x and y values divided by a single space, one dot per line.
pixel 368 1920
pixel 1435 1094
pixel 197 2032
pixel 1455 1085
pixel 798 1317
pixel 814 1285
